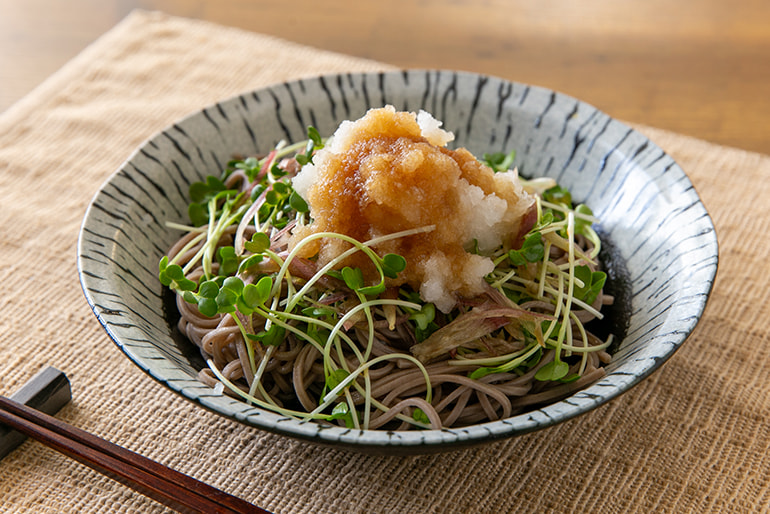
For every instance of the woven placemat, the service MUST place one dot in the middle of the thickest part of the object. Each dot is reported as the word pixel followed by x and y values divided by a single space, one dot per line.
pixel 694 437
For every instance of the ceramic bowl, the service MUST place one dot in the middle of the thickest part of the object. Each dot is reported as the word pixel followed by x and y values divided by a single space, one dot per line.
pixel 660 244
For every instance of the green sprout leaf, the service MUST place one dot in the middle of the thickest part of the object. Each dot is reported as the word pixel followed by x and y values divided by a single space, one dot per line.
pixel 336 377
pixel 353 277
pixel 314 136
pixel 342 411
pixel 199 214
pixel 281 188
pixel 393 264
pixel 532 250
pixel 593 283
pixel 499 161
pixel 321 335
pixel 314 142
pixel 534 359
pixel 481 372
pixel 272 197
pixel 250 261
pixel 172 276
pixel 250 166
pixel 228 261
pixel 298 203
pixel 545 219
pixel 424 319
pixel 319 312
pixel 516 258
pixel 420 416
pixel 233 284
pixel 558 195
pixel 276 171
pixel 263 287
pixel 554 370
pixel 251 296
pixel 201 192
pixel 273 336
pixel 208 307
pixel 208 289
pixel 372 290
pixel 226 300
pixel 423 334
pixel 186 285
pixel 254 296
pixel 257 191
pixel 259 243
pixel 424 316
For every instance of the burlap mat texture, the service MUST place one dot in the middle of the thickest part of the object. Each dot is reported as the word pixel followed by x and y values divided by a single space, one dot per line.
pixel 694 437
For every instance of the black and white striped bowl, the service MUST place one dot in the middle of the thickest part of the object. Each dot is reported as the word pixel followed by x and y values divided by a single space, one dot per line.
pixel 661 247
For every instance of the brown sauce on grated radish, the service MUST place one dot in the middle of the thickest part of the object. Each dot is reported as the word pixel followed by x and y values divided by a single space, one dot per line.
pixel 383 176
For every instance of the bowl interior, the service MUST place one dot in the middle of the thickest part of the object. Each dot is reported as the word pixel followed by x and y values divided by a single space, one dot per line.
pixel 659 242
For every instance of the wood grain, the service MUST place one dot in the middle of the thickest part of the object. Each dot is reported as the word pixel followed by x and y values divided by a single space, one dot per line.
pixel 699 67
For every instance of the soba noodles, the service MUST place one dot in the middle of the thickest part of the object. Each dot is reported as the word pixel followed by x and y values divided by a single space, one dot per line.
pixel 378 279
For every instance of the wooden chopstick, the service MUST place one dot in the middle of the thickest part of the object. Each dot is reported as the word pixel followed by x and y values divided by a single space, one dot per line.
pixel 165 485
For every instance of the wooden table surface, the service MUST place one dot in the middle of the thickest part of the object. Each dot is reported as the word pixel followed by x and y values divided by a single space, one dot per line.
pixel 698 67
